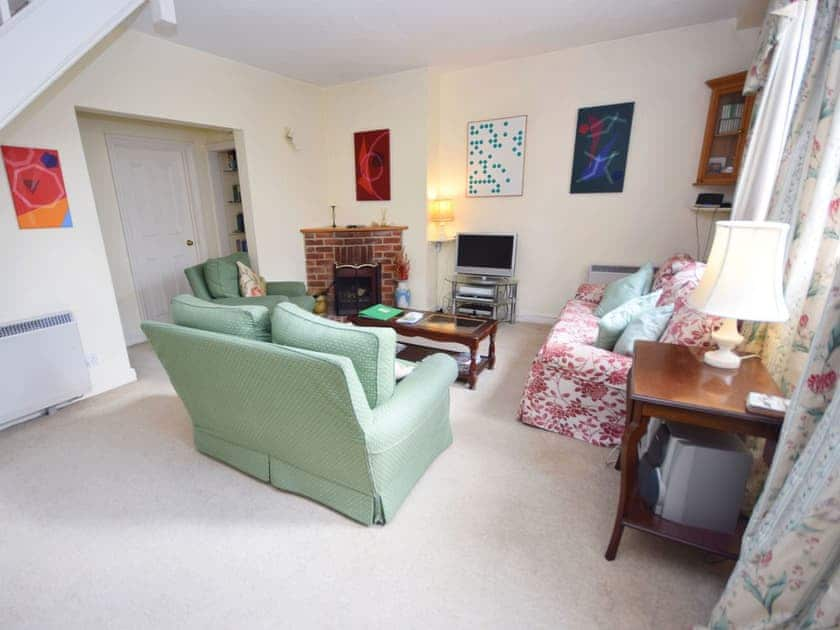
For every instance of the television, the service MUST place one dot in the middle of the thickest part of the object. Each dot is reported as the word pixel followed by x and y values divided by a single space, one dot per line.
pixel 485 254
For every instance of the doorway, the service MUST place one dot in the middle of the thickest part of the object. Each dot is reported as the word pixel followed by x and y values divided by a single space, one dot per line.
pixel 155 182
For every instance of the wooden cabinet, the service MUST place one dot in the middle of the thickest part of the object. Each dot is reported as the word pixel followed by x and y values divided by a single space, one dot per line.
pixel 726 131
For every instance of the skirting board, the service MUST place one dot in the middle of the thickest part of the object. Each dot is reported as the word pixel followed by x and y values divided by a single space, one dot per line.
pixel 533 318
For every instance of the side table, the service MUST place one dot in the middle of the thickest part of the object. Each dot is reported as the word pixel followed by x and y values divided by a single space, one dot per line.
pixel 672 382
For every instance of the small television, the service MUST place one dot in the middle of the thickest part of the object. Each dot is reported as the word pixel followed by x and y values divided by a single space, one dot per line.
pixel 485 254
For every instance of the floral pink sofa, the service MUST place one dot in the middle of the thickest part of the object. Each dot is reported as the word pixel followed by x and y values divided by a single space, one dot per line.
pixel 578 390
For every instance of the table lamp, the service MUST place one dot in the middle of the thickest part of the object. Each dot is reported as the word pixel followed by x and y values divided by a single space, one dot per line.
pixel 742 280
pixel 441 213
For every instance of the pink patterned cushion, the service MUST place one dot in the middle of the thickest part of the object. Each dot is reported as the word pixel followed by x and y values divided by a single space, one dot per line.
pixel 671 266
pixel 677 286
pixel 689 327
pixel 593 293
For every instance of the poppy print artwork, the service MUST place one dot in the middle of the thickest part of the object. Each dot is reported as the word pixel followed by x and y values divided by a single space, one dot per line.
pixel 373 165
pixel 37 187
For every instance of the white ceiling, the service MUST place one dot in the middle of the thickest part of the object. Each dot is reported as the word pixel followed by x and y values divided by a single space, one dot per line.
pixel 333 41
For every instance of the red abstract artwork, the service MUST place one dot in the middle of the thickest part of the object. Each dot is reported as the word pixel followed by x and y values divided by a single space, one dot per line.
pixel 37 187
pixel 373 165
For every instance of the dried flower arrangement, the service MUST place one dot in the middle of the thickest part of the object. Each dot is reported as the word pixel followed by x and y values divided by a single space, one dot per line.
pixel 402 266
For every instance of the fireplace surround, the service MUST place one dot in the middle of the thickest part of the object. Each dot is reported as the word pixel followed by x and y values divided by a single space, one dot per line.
pixel 356 259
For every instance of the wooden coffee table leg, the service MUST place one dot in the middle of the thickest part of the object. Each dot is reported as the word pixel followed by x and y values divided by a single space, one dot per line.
pixel 473 375
pixel 629 461
pixel 491 357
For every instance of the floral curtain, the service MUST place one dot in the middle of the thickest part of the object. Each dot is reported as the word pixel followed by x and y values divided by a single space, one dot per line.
pixel 787 575
pixel 807 196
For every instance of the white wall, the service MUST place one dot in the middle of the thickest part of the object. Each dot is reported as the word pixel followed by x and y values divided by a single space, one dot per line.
pixel 399 102
pixel 561 234
pixel 135 74
pixel 93 129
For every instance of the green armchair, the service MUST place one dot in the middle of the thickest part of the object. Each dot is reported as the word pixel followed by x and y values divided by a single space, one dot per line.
pixel 316 412
pixel 217 281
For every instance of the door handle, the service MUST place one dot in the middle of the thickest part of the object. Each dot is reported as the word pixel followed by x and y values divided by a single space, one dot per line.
pixel 190 243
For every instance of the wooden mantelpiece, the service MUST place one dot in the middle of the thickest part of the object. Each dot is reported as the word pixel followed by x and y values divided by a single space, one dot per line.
pixel 361 228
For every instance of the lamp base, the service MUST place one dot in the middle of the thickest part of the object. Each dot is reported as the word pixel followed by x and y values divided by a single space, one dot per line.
pixel 727 338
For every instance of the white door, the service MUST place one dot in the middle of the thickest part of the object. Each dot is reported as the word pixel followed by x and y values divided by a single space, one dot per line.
pixel 155 180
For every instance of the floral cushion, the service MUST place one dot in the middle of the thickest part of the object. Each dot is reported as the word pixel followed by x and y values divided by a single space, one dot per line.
pixel 671 266
pixel 676 287
pixel 249 282
pixel 690 327
pixel 593 293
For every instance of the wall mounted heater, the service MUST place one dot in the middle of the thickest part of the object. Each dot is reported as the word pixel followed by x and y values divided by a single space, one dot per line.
pixel 42 365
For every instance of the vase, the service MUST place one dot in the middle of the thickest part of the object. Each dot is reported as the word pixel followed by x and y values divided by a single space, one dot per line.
pixel 402 295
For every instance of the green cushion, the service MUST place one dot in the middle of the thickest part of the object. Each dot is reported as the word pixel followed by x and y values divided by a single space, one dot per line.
pixel 624 289
pixel 371 350
pixel 222 275
pixel 647 326
pixel 611 325
pixel 269 301
pixel 250 322
pixel 306 302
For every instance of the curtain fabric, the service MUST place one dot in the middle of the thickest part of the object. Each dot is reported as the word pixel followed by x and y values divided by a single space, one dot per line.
pixel 786 576
pixel 787 573
pixel 807 195
pixel 774 112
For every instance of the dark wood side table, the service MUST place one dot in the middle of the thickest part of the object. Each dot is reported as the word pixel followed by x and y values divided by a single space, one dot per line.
pixel 465 330
pixel 672 382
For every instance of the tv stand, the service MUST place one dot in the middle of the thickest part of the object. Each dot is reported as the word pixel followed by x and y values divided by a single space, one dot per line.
pixel 483 296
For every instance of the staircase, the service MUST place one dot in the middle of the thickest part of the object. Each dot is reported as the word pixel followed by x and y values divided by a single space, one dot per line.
pixel 41 39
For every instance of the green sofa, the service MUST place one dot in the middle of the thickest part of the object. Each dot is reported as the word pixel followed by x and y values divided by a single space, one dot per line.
pixel 316 411
pixel 217 280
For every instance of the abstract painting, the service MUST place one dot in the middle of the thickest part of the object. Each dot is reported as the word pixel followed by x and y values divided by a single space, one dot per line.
pixel 602 139
pixel 373 165
pixel 37 187
pixel 496 157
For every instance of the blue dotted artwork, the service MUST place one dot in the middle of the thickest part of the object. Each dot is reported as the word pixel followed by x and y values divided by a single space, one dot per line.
pixel 499 172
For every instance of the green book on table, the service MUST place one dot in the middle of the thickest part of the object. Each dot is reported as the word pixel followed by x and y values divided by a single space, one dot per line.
pixel 380 311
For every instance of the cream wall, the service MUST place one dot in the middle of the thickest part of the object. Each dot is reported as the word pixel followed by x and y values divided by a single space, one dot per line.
pixel 93 129
pixel 136 74
pixel 561 234
pixel 399 102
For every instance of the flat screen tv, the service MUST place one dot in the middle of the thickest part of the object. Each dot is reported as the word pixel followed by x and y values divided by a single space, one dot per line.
pixel 485 254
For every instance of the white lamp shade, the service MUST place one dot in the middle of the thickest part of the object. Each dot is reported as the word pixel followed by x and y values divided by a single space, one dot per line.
pixel 441 211
pixel 743 278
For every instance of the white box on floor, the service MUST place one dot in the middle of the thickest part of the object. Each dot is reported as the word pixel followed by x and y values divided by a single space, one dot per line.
pixel 694 476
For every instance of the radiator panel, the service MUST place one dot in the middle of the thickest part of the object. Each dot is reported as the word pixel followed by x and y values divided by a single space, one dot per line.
pixel 42 365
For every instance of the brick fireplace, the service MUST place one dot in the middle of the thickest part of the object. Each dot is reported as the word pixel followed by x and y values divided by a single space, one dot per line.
pixel 333 252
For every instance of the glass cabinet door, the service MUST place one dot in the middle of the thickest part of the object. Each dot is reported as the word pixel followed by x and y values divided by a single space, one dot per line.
pixel 726 127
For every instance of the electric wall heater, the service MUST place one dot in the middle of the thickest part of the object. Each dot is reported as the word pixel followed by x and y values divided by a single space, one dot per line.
pixel 42 365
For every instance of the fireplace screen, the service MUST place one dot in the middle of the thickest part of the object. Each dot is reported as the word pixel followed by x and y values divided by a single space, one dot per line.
pixel 356 287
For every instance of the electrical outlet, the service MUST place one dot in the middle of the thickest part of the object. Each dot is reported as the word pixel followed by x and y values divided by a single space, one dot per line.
pixel 92 359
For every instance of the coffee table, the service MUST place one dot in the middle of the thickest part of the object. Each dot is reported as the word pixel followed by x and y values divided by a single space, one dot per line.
pixel 469 331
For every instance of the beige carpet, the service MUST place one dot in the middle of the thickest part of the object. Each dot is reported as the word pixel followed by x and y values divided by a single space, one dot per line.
pixel 110 518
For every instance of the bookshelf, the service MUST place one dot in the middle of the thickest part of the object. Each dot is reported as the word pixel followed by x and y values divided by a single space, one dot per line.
pixel 727 122
pixel 229 211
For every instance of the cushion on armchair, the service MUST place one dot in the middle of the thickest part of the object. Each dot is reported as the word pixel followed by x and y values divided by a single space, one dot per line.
pixel 372 350
pixel 250 322
pixel 611 325
pixel 222 275
pixel 626 288
pixel 249 282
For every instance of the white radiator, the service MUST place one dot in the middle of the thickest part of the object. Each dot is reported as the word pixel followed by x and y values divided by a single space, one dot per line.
pixel 42 365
